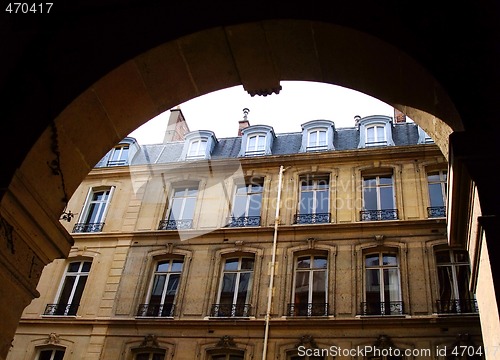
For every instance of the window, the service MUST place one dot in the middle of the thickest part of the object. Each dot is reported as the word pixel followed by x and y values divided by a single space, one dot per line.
pixel 382 285
pixel 375 130
pixel 314 203
pixel 375 135
pixel 94 210
pixel 232 355
pixel 180 212
pixel 256 144
pixel 197 149
pixel 453 273
pixel 247 204
pixel 256 140
pixel 163 289
pixel 378 198
pixel 119 156
pixel 50 354
pixel 423 137
pixel 235 288
pixel 71 291
pixel 437 181
pixel 317 135
pixel 150 356
pixel 316 139
pixel 310 287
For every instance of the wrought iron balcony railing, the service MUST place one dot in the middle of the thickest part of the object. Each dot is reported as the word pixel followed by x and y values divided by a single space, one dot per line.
pixel 243 221
pixel 117 162
pixel 377 215
pixel 382 308
pixel 87 227
pixel 318 218
pixel 457 306
pixel 309 309
pixel 156 310
pixel 436 211
pixel 230 310
pixel 176 224
pixel 61 309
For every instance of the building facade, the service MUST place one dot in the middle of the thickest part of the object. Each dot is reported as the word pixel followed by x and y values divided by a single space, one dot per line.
pixel 324 243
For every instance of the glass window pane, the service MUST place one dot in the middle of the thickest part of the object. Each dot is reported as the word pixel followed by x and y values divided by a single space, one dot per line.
pixel 436 195
pixel 86 266
pixel 228 288
pixel 177 265
pixel 239 206
pixel 320 262
pixel 372 285
pixel 385 180
pixel 322 202
pixel 231 264
pixel 254 205
pixel 319 287
pixel 302 287
pixel 244 288
pixel 463 276
pixel 163 266
pixel 74 266
pixel 173 284
pixel 189 207
pixel 157 290
pixel 306 203
pixel 389 259
pixel 372 260
pixel 304 262
pixel 445 277
pixel 59 354
pixel 443 257
pixel 386 198
pixel 247 264
pixel 391 285
pixel 370 199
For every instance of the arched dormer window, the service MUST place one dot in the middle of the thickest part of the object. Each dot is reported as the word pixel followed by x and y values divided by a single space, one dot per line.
pixel 198 145
pixel 120 155
pixel 317 135
pixel 374 131
pixel 257 140
pixel 423 137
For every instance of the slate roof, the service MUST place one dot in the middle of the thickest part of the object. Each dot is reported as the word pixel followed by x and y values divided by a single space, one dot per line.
pixel 284 144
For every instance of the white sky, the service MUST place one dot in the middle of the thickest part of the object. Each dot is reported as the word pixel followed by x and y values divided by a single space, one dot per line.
pixel 297 103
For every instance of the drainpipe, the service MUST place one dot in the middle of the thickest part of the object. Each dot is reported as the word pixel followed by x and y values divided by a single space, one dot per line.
pixel 273 263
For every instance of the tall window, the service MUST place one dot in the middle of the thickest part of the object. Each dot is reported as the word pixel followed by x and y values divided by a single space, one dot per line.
pixel 247 204
pixel 94 210
pixel 180 213
pixel 163 289
pixel 453 276
pixel 119 156
pixel 232 355
pixel 375 135
pixel 314 203
pixel 382 285
pixel 437 181
pixel 197 149
pixel 310 287
pixel 378 198
pixel 256 144
pixel 317 139
pixel 50 354
pixel 235 289
pixel 71 290
pixel 150 356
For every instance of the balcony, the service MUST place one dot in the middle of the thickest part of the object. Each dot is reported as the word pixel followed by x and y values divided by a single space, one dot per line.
pixel 175 224
pixel 243 221
pixel 87 227
pixel 61 309
pixel 230 310
pixel 318 218
pixel 456 306
pixel 382 308
pixel 378 215
pixel 436 211
pixel 309 309
pixel 156 310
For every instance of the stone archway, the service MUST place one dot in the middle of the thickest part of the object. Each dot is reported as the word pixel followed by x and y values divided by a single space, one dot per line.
pixel 256 55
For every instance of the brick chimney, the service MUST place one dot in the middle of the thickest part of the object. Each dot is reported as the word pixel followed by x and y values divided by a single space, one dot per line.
pixel 177 127
pixel 242 124
pixel 399 117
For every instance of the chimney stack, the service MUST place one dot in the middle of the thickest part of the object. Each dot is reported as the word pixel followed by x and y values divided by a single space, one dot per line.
pixel 243 123
pixel 399 117
pixel 177 127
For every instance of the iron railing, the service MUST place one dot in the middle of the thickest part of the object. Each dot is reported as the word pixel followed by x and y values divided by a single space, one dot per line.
pixel 61 309
pixel 382 308
pixel 436 211
pixel 318 218
pixel 309 309
pixel 243 221
pixel 376 215
pixel 156 310
pixel 175 224
pixel 117 162
pixel 457 306
pixel 87 227
pixel 230 310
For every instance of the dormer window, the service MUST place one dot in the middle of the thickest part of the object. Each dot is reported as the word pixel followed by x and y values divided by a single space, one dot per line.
pixel 423 137
pixel 119 155
pixel 375 131
pixel 198 145
pixel 256 140
pixel 317 135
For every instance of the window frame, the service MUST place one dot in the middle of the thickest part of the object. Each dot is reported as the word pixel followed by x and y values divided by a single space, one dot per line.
pixel 84 223
pixel 375 121
pixel 259 147
pixel 315 188
pixel 245 219
pixel 122 159
pixel 256 131
pixel 381 267
pixel 182 223
pixel 380 212
pixel 433 209
pixel 200 151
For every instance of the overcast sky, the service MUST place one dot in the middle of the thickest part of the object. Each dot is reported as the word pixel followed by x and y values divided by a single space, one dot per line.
pixel 297 103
